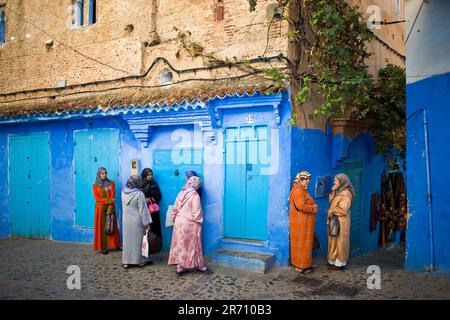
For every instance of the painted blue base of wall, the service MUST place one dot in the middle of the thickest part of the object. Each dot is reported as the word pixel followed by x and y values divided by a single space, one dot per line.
pixel 312 147
pixel 433 95
pixel 298 149
pixel 271 110
pixel 252 261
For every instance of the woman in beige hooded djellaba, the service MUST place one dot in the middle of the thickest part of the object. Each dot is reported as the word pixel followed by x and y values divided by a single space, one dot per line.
pixel 341 199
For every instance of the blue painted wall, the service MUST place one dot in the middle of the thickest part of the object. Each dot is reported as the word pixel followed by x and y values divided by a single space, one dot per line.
pixel 62 186
pixel 62 201
pixel 428 88
pixel 433 95
pixel 322 154
pixel 293 149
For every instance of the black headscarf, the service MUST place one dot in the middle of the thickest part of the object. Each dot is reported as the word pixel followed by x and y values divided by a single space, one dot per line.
pixel 102 183
pixel 150 188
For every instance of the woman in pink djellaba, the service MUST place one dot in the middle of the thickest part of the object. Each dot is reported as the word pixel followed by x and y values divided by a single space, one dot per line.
pixel 186 247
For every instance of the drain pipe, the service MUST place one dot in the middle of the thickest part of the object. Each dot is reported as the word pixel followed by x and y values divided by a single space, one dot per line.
pixel 429 193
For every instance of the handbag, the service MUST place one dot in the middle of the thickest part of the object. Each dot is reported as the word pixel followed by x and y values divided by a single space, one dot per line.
pixel 109 225
pixel 153 206
pixel 154 243
pixel 169 216
pixel 333 226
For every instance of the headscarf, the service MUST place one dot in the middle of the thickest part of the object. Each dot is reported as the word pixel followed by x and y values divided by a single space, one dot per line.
pixel 302 174
pixel 344 184
pixel 145 173
pixel 133 184
pixel 192 184
pixel 191 174
pixel 102 183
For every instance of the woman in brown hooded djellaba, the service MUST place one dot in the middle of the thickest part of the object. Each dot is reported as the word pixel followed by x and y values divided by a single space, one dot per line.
pixel 341 199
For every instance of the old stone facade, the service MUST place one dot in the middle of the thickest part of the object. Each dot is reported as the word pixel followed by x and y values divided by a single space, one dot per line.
pixel 44 47
pixel 49 63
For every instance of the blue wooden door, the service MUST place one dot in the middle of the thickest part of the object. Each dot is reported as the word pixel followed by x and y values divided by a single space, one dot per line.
pixel 93 149
pixel 29 196
pixel 354 171
pixel 170 176
pixel 246 188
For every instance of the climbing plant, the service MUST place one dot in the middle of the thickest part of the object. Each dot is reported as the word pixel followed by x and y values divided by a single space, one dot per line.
pixel 388 110
pixel 337 68
pixel 336 53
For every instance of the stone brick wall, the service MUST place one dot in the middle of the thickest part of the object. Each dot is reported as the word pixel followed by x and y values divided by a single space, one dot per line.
pixel 129 36
pixel 121 39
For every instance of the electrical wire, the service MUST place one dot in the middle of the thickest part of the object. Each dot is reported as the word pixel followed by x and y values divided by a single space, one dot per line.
pixel 135 87
pixel 152 65
pixel 63 44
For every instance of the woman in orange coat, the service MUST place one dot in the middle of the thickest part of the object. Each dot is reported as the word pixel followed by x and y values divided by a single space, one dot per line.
pixel 302 219
pixel 104 194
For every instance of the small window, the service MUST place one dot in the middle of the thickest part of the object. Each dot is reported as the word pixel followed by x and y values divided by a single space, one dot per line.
pixel 2 27
pixel 220 10
pixel 81 8
pixel 92 11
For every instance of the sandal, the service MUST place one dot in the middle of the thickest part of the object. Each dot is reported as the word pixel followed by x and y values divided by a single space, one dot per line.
pixel 125 266
pixel 104 251
pixel 180 273
pixel 206 271
pixel 309 270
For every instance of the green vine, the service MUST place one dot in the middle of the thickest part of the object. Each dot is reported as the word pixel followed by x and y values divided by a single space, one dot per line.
pixel 336 51
pixel 388 110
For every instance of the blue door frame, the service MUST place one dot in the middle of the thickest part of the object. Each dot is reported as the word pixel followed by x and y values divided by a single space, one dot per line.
pixel 170 176
pixel 94 148
pixel 246 189
pixel 354 171
pixel 29 197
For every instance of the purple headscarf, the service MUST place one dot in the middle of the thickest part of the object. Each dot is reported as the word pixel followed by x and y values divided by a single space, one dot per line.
pixel 192 184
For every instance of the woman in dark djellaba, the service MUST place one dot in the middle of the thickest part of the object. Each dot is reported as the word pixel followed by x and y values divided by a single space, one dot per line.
pixel 152 193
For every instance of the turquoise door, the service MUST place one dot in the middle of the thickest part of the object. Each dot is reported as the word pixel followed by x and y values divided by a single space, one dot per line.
pixel 29 164
pixel 170 176
pixel 246 188
pixel 354 171
pixel 93 149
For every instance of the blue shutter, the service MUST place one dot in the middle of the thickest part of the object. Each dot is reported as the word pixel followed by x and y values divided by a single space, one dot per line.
pixel 29 160
pixel 92 11
pixel 80 12
pixel 2 27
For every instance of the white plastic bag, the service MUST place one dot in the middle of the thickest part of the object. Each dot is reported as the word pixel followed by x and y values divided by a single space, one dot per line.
pixel 169 220
pixel 145 245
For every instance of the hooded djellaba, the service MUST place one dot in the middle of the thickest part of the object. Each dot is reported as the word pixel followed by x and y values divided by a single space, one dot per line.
pixel 341 199
pixel 186 247
pixel 136 219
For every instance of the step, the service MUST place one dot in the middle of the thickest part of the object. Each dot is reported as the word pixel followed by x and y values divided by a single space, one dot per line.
pixel 248 260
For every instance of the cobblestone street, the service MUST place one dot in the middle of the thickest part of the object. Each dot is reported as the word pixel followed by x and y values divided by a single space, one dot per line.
pixel 36 269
